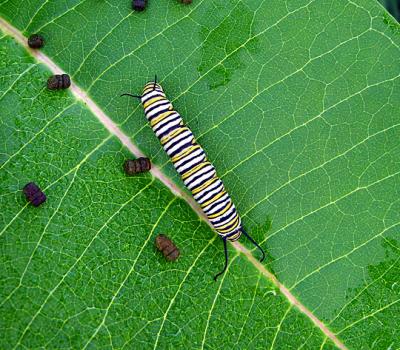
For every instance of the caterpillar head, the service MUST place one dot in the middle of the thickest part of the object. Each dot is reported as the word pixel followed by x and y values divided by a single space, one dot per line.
pixel 151 89
pixel 152 86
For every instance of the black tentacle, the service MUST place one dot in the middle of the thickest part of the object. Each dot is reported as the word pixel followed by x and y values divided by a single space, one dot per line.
pixel 226 260
pixel 255 243
pixel 130 95
pixel 155 82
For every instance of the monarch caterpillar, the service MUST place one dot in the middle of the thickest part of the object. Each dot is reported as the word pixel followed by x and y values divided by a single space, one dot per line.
pixel 190 160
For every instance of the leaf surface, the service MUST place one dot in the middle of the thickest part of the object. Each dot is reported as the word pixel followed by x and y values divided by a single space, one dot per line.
pixel 297 106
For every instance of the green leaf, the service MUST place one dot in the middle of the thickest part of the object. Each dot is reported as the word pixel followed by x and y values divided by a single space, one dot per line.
pixel 296 103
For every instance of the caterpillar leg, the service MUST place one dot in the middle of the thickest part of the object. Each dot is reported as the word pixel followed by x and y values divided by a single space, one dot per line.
pixel 226 260
pixel 255 243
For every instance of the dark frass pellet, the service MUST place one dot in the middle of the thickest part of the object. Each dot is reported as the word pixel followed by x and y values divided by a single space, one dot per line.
pixel 167 247
pixel 35 41
pixel 137 166
pixel 139 5
pixel 34 194
pixel 187 2
pixel 59 81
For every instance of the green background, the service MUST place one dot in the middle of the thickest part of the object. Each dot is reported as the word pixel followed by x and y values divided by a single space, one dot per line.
pixel 296 104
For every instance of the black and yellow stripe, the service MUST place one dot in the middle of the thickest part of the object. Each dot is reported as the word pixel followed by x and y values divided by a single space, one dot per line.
pixel 190 161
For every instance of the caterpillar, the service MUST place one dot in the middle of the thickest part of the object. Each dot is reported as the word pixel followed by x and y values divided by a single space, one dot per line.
pixel 191 162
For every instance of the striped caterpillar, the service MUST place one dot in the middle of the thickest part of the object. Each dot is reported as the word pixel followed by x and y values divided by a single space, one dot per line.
pixel 190 160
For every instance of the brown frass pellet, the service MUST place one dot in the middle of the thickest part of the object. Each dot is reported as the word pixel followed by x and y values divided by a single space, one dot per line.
pixel 59 81
pixel 35 41
pixel 187 2
pixel 139 5
pixel 137 166
pixel 34 194
pixel 167 247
